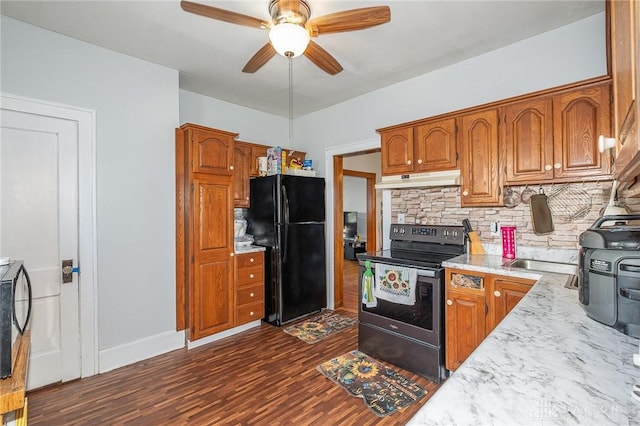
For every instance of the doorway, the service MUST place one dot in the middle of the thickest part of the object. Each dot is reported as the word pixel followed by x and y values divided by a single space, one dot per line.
pixel 372 220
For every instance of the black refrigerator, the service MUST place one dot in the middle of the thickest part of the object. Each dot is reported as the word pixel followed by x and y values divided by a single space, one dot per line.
pixel 287 217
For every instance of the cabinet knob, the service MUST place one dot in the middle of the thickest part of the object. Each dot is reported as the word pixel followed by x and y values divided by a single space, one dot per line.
pixel 419 160
pixel 251 313
pixel 408 162
pixel 251 260
pixel 251 294
pixel 449 302
pixel 251 275
pixel 232 254
pixel 496 293
pixel 465 193
pixel 230 167
pixel 557 166
pixel 548 167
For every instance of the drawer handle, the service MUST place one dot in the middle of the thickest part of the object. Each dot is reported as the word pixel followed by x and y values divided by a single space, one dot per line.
pixel 251 313
pixel 251 275
pixel 496 293
pixel 251 294
pixel 251 260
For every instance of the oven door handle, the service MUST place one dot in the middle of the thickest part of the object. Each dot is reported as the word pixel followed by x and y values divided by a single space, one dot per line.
pixel 426 273
pixel 630 293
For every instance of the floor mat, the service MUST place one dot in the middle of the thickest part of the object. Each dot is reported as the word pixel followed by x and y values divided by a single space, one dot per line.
pixel 320 327
pixel 383 390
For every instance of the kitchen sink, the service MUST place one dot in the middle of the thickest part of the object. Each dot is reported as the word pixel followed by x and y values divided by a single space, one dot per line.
pixel 542 266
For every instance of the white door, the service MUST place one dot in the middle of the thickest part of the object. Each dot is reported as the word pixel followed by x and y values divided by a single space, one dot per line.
pixel 39 224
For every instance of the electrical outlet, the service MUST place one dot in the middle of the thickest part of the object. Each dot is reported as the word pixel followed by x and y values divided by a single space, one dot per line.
pixel 400 217
pixel 494 228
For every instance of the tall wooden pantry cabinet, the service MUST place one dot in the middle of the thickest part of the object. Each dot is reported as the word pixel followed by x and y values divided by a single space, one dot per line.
pixel 204 230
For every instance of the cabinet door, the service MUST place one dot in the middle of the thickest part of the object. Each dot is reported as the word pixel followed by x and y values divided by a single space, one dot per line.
pixel 580 116
pixel 623 60
pixel 436 146
pixel 211 231
pixel 211 150
pixel 241 167
pixel 464 325
pixel 528 141
pixel 503 294
pixel 479 166
pixel 397 151
pixel 625 50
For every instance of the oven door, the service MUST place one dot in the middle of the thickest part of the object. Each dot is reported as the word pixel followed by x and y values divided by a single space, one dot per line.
pixel 421 321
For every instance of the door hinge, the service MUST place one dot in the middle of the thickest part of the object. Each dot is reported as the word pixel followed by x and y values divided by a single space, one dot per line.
pixel 192 187
pixel 193 258
pixel 486 309
pixel 457 156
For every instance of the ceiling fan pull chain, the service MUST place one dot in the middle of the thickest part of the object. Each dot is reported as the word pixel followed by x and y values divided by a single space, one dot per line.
pixel 290 100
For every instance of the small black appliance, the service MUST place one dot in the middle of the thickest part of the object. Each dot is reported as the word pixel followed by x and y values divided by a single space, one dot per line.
pixel 609 274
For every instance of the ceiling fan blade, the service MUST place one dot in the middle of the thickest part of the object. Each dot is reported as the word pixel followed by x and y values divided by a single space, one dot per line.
pixel 261 57
pixel 349 20
pixel 322 58
pixel 223 15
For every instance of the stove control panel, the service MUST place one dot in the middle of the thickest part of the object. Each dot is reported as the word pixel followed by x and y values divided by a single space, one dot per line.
pixel 443 234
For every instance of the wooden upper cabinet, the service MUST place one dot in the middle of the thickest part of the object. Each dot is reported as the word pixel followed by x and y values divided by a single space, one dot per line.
pixel 580 117
pixel 623 59
pixel 625 50
pixel 436 146
pixel 242 158
pixel 528 141
pixel 211 149
pixel 397 151
pixel 480 183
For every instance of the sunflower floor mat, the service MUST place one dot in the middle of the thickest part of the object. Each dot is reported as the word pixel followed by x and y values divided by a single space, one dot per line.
pixel 383 390
pixel 320 327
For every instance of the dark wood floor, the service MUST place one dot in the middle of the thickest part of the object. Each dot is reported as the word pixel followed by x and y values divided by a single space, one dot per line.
pixel 259 377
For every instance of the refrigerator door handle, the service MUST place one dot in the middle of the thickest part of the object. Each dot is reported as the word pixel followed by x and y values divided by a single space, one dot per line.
pixel 285 204
pixel 284 244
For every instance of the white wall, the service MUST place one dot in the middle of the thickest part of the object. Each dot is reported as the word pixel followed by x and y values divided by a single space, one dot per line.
pixel 564 55
pixel 136 104
pixel 252 125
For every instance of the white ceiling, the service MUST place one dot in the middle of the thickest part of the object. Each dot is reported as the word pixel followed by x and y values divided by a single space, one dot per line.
pixel 421 37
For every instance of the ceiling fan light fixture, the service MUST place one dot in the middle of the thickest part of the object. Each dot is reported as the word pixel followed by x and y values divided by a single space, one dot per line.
pixel 289 40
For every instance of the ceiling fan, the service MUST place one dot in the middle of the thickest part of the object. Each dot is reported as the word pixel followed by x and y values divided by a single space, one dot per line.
pixel 291 29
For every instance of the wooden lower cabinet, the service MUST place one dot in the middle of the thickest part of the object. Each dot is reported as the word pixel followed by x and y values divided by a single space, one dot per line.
pixel 502 295
pixel 474 305
pixel 249 294
pixel 465 325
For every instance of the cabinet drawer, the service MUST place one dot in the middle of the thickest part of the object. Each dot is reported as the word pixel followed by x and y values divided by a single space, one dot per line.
pixel 251 275
pixel 250 259
pixel 248 313
pixel 249 295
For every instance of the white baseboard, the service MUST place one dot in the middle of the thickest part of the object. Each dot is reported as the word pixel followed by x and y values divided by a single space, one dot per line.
pixel 119 356
pixel 222 335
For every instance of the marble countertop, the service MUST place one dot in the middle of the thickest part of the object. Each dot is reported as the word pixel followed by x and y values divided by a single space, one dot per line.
pixel 249 249
pixel 546 363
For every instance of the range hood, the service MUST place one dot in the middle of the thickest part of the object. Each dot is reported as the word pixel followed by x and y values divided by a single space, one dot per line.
pixel 421 180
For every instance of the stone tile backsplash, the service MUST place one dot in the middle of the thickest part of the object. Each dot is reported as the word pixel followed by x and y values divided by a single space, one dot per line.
pixel 442 206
